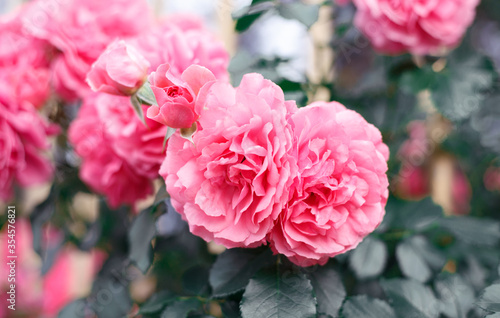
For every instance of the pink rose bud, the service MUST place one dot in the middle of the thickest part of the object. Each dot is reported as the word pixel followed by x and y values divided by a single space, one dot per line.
pixel 176 96
pixel 120 70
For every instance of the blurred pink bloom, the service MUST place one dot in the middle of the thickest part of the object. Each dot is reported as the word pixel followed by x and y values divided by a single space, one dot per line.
pixel 231 183
pixel 181 41
pixel 120 70
pixel 339 194
pixel 81 30
pixel 415 26
pixel 24 62
pixel 23 140
pixel 176 96
pixel 43 296
pixel 461 193
pixel 492 179
pixel 342 2
pixel 120 155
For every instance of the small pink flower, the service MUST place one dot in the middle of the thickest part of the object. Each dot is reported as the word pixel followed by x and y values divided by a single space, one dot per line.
pixel 120 155
pixel 415 26
pixel 176 96
pixel 339 194
pixel 231 182
pixel 120 70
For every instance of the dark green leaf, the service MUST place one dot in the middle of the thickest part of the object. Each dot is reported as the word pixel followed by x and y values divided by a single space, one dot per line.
pixel 460 87
pixel 195 281
pixel 230 309
pixel 278 294
pixel 411 299
pixel 77 308
pixel 156 303
pixel 246 21
pixel 233 269
pixel 146 96
pixel 140 235
pixel 369 258
pixel 473 230
pixel 329 290
pixel 181 308
pixel 364 307
pixel 304 13
pixel 455 295
pixel 490 298
pixel 417 257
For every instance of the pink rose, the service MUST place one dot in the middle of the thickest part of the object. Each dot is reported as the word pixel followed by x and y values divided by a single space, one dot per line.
pixel 415 26
pixel 120 70
pixel 24 139
pixel 61 24
pixel 231 182
pixel 120 155
pixel 339 194
pixel 176 96
pixel 24 62
pixel 182 41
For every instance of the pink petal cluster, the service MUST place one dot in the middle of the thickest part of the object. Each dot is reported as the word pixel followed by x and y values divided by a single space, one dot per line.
pixel 24 62
pixel 176 96
pixel 23 142
pixel 81 31
pixel 43 296
pixel 340 191
pixel 310 181
pixel 120 70
pixel 120 155
pixel 182 41
pixel 231 182
pixel 415 26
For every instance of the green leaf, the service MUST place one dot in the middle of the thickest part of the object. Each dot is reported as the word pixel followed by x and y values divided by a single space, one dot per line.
pixel 329 290
pixel 195 281
pixel 485 232
pixel 145 95
pixel 278 294
pixel 497 315
pixel 411 299
pixel 490 298
pixel 455 295
pixel 77 308
pixel 459 89
pixel 304 13
pixel 140 235
pixel 137 106
pixel 365 307
pixel 417 257
pixel 369 258
pixel 233 269
pixel 170 132
pixel 245 22
pixel 181 308
pixel 157 302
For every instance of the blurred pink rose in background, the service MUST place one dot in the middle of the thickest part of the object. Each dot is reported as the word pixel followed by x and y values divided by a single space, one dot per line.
pixel 120 155
pixel 176 96
pixel 415 26
pixel 24 137
pixel 339 194
pixel 120 70
pixel 24 62
pixel 61 23
pixel 38 295
pixel 231 182
pixel 182 41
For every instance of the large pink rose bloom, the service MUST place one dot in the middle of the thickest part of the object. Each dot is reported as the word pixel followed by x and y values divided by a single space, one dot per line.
pixel 24 63
pixel 182 41
pixel 340 191
pixel 231 182
pixel 81 30
pixel 120 155
pixel 415 26
pixel 23 143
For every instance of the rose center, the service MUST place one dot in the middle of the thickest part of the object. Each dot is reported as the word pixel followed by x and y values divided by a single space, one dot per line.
pixel 174 91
